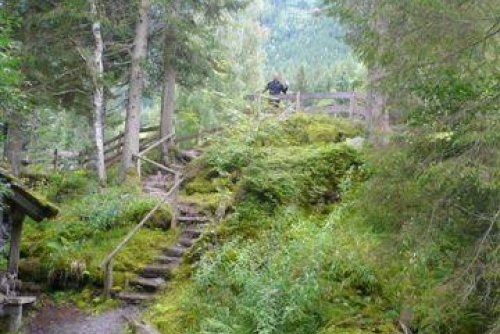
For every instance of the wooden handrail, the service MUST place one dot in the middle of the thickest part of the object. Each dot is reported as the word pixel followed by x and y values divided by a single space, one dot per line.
pixel 85 155
pixel 157 143
pixel 311 96
pixel 165 168
pixel 106 264
pixel 167 137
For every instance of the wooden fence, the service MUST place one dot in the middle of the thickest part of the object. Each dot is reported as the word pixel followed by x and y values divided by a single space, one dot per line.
pixel 113 147
pixel 345 104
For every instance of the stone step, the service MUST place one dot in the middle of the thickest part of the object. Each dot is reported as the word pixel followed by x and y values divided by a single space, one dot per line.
pixel 148 284
pixel 192 232
pixel 135 297
pixel 186 242
pixel 188 210
pixel 153 188
pixel 193 219
pixel 174 251
pixel 163 259
pixel 158 270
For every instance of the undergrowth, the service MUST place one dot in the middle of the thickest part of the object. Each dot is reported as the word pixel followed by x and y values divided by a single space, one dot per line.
pixel 283 260
pixel 66 252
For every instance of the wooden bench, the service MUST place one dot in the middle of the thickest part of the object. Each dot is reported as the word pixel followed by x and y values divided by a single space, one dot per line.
pixel 12 308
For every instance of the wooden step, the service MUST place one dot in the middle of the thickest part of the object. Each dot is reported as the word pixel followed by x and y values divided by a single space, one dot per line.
pixel 135 297
pixel 148 284
pixel 158 270
pixel 174 251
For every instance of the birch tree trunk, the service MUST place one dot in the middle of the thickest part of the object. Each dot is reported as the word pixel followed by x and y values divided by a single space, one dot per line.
pixel 97 71
pixel 169 80
pixel 136 84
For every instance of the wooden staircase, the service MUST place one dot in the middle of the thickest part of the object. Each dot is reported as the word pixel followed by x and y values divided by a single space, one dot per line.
pixel 153 277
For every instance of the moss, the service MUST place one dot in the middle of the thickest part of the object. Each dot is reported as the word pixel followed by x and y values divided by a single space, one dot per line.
pixel 206 203
pixel 304 175
pixel 137 209
pixel 167 314
pixel 199 184
pixel 62 186
pixel 50 248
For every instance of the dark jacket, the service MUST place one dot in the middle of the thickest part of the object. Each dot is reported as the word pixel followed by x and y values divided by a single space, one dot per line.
pixel 275 87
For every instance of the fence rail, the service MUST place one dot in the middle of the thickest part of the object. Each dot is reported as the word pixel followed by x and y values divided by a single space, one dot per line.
pixel 345 104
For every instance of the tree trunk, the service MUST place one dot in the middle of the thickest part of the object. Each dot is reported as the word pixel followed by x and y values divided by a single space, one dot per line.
pixel 378 117
pixel 14 142
pixel 98 96
pixel 132 121
pixel 167 109
pixel 169 79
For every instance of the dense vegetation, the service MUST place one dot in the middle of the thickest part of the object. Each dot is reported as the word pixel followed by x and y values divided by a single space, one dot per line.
pixel 318 237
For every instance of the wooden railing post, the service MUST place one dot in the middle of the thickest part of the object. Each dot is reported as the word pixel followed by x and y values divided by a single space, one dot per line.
pixel 108 278
pixel 55 162
pixel 175 195
pixel 352 106
pixel 139 161
pixel 259 105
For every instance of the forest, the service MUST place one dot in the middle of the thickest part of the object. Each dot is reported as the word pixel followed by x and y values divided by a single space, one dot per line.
pixel 176 187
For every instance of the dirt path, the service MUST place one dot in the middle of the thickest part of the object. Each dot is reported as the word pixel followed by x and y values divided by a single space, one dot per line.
pixel 67 319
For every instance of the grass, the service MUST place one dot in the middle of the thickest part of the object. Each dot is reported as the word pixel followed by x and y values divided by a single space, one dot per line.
pixel 66 252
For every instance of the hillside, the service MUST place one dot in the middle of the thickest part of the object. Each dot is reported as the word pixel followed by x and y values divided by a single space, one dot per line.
pixel 308 48
pixel 283 260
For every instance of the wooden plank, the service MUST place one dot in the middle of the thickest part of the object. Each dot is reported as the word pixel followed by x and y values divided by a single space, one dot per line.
pixel 167 137
pixel 173 171
pixel 19 300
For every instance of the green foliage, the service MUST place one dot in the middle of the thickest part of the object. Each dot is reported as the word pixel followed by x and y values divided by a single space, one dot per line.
pixel 296 277
pixel 304 129
pixel 63 186
pixel 137 209
pixel 439 181
pixel 275 264
pixel 307 175
pixel 10 76
pixel 90 224
pixel 295 161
